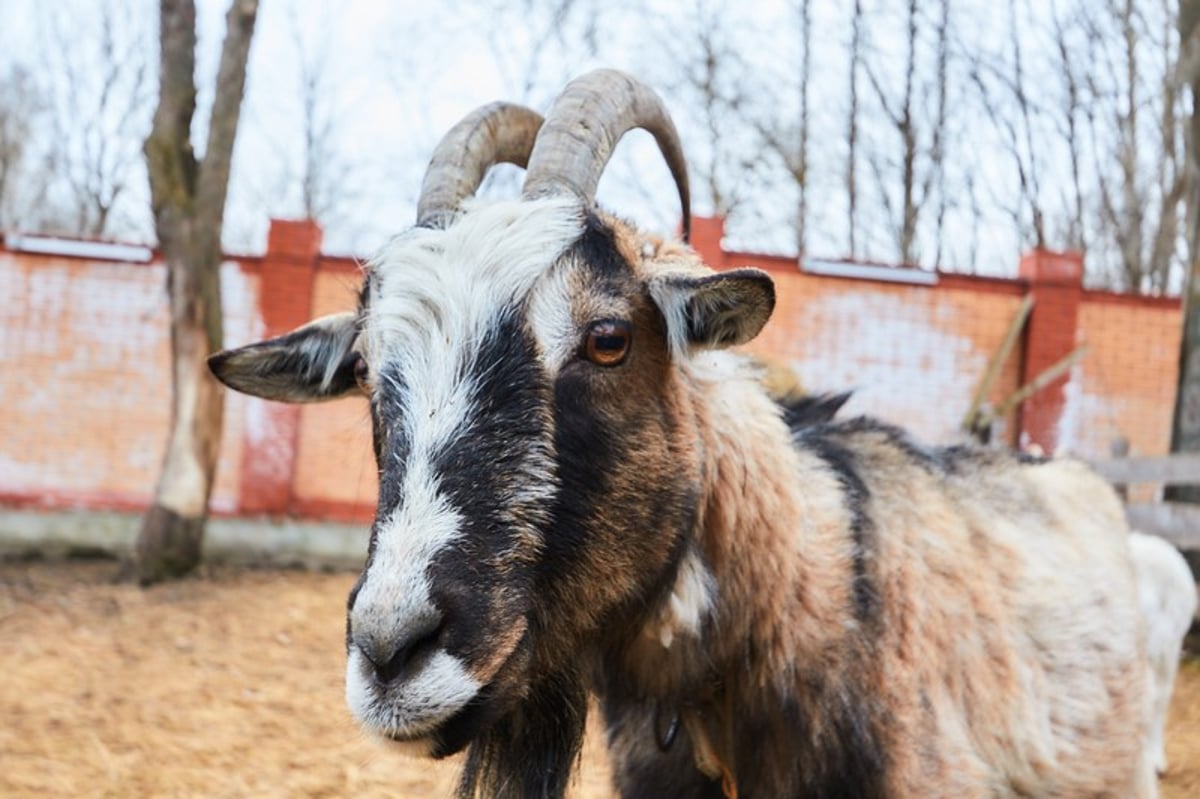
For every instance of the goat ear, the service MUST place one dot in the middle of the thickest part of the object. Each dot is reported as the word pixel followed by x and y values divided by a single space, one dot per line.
pixel 312 363
pixel 718 310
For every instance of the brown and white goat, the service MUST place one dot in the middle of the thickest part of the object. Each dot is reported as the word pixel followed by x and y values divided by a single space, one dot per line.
pixel 579 491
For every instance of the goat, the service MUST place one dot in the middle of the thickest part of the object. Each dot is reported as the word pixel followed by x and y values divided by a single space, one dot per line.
pixel 1167 597
pixel 581 490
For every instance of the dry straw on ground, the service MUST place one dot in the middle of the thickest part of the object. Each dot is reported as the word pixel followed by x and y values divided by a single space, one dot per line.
pixel 230 685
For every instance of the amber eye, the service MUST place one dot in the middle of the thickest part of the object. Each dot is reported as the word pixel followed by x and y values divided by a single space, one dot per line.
pixel 361 372
pixel 607 342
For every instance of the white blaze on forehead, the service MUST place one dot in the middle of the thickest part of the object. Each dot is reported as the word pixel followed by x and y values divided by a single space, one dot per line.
pixel 436 293
pixel 444 287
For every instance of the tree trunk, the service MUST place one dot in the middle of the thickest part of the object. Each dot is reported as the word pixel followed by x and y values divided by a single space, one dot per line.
pixel 805 73
pixel 172 533
pixel 188 199
pixel 1185 425
pixel 908 138
pixel 852 130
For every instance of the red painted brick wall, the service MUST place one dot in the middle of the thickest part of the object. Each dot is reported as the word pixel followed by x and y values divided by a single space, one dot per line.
pixel 83 381
pixel 83 348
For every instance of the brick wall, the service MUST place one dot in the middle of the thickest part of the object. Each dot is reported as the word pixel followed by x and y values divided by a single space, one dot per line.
pixel 1125 387
pixel 83 380
pixel 83 368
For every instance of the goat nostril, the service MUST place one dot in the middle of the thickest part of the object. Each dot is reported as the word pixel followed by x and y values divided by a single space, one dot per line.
pixel 390 660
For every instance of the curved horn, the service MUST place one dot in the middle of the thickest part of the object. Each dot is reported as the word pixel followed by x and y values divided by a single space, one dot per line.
pixel 489 135
pixel 583 128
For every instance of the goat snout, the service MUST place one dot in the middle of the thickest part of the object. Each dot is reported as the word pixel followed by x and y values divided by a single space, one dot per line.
pixel 391 658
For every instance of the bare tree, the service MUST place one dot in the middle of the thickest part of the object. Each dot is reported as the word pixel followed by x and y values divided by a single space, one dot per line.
pixel 1009 106
pixel 910 166
pixel 937 147
pixel 1097 151
pixel 324 176
pixel 706 82
pixel 856 46
pixel 188 200
pixel 802 144
pixel 1140 204
pixel 900 114
pixel 1069 119
pixel 784 130
pixel 24 180
pixel 789 140
pixel 101 94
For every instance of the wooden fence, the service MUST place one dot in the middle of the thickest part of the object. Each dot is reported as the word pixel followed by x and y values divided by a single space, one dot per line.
pixel 1178 522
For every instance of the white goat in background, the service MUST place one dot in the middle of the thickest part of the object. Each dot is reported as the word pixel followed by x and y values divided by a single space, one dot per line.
pixel 1167 596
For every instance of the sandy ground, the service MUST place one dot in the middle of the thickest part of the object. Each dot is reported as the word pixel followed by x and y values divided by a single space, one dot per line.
pixel 230 685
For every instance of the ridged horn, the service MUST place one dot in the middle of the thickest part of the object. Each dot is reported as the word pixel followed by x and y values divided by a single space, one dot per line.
pixel 489 135
pixel 582 129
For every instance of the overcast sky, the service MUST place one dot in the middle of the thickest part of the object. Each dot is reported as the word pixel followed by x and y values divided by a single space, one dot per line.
pixel 396 75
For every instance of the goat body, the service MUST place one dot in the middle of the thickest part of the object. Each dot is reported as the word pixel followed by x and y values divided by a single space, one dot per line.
pixel 891 620
pixel 580 490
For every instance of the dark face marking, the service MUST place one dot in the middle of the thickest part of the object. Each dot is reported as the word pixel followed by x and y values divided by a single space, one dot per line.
pixel 483 581
pixel 626 496
pixel 390 443
pixel 573 498
pixel 597 248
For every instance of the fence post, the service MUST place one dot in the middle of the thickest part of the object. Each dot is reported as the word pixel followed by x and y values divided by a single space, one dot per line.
pixel 271 428
pixel 1056 284
pixel 707 233
pixel 1119 448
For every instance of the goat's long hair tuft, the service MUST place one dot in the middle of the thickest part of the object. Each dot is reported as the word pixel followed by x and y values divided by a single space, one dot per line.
pixel 532 752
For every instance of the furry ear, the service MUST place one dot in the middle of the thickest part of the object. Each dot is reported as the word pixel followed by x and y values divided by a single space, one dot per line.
pixel 312 363
pixel 718 310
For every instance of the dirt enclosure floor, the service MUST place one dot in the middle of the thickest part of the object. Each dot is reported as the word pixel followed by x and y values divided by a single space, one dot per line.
pixel 230 685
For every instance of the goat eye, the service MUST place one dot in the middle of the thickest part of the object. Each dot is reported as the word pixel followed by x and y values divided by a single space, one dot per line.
pixel 361 372
pixel 607 342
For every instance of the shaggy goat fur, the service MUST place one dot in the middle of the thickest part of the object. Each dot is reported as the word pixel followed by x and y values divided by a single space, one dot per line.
pixel 832 609
pixel 893 620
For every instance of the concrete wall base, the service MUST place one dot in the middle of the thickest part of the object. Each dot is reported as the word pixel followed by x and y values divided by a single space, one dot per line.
pixel 242 540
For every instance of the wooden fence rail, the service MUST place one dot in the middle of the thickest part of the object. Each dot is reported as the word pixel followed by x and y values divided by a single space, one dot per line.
pixel 1169 469
pixel 1178 522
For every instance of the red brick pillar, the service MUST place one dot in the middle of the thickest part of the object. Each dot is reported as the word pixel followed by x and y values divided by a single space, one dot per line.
pixel 1056 284
pixel 707 233
pixel 272 428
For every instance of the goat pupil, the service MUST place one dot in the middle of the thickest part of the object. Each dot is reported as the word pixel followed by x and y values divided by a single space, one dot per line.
pixel 613 343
